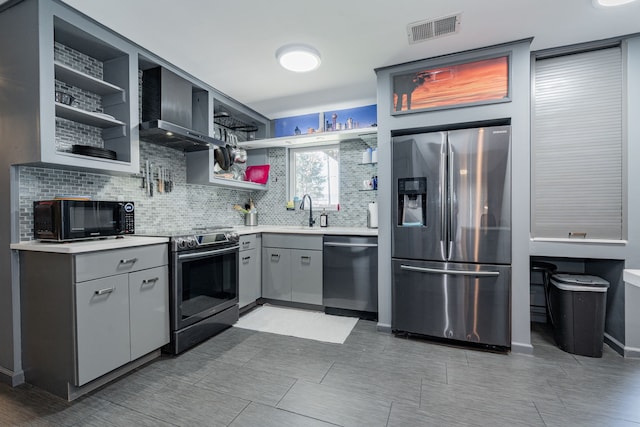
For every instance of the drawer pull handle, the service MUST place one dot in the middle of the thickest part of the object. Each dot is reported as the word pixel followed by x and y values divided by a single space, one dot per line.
pixel 104 291
pixel 275 256
pixel 577 234
pixel 150 281
pixel 245 260
pixel 246 243
pixel 129 261
pixel 305 259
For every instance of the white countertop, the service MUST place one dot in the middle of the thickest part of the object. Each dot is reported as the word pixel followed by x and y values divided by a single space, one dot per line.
pixel 299 229
pixel 632 277
pixel 89 245
pixel 130 241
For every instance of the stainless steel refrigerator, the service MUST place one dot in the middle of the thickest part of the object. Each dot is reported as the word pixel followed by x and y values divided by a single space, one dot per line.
pixel 451 245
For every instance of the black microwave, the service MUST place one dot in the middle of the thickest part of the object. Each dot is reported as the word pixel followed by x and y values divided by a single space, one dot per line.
pixel 63 220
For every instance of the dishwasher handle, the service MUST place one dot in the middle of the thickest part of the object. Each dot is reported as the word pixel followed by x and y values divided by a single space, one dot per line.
pixel 350 245
pixel 452 272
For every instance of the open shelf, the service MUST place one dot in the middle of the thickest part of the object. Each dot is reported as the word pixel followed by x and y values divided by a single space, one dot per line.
pixel 83 81
pixel 320 138
pixel 111 127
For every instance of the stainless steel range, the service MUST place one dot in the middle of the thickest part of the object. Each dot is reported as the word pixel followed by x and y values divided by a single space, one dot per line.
pixel 203 285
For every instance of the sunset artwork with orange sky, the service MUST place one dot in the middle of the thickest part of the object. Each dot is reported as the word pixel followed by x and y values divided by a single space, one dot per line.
pixel 458 84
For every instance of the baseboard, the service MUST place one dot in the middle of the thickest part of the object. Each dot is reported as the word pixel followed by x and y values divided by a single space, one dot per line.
pixel 621 349
pixel 10 377
pixel 383 327
pixel 521 348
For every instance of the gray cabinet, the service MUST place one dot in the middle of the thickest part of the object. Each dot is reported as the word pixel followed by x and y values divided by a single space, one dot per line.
pixel 306 276
pixel 102 327
pixel 148 310
pixel 276 273
pixel 76 56
pixel 292 268
pixel 87 316
pixel 249 270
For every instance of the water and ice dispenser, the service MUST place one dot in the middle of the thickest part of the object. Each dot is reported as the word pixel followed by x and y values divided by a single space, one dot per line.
pixel 412 202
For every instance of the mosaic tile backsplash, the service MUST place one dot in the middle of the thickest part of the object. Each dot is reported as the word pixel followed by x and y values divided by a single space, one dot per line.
pixel 189 205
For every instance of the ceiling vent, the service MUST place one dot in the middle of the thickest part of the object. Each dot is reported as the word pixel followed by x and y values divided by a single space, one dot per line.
pixel 433 28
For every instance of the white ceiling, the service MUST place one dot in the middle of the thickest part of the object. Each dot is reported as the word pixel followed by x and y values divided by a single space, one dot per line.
pixel 231 44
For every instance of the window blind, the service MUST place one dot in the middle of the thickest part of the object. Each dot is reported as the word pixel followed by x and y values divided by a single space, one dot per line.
pixel 577 146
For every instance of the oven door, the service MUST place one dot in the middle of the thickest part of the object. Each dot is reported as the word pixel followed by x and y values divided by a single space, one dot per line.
pixel 205 282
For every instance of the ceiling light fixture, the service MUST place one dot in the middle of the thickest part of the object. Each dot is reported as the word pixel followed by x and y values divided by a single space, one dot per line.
pixel 610 3
pixel 298 57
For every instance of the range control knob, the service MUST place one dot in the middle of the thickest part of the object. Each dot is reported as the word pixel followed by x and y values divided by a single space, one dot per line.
pixel 232 236
pixel 181 243
pixel 191 242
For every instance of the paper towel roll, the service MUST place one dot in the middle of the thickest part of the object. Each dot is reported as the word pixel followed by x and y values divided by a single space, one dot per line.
pixel 372 215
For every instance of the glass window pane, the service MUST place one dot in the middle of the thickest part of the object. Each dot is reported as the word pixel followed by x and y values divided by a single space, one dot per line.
pixel 315 171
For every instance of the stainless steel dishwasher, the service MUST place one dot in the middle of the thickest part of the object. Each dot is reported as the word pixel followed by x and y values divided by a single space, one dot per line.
pixel 350 276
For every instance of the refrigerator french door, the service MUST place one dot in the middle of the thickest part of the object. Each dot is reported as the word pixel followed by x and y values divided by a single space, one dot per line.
pixel 451 243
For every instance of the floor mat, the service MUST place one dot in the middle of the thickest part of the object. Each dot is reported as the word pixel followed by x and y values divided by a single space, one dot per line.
pixel 313 325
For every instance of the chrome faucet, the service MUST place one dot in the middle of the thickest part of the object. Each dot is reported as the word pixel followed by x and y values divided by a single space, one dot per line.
pixel 311 220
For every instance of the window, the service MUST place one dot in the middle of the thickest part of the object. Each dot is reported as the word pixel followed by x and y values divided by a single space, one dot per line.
pixel 315 171
pixel 577 146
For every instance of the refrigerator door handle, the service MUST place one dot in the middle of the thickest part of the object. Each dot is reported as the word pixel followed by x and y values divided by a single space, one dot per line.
pixel 442 188
pixel 451 202
pixel 452 272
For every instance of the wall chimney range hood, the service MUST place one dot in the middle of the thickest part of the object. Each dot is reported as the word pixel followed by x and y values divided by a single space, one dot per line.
pixel 174 112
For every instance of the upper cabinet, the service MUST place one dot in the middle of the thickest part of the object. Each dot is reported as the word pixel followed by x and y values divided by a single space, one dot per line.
pixel 233 125
pixel 69 86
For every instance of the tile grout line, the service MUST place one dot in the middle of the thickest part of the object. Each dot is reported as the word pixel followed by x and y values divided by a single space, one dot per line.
pixel 239 413
pixel 326 373
pixel 538 411
pixel 287 392
pixel 391 408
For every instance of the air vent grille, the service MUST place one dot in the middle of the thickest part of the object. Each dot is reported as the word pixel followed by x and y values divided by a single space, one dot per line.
pixel 433 28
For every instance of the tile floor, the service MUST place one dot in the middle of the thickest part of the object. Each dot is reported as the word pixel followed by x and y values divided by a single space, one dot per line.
pixel 248 378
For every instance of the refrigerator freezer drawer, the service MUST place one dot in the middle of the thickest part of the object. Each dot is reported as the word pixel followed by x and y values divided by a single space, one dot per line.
pixel 464 302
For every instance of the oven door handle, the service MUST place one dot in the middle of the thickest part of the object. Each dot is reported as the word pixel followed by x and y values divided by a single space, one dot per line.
pixel 207 253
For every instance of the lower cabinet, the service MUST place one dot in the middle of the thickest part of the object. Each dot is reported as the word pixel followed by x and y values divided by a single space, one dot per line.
pixel 148 310
pixel 81 323
pixel 249 270
pixel 102 329
pixel 292 268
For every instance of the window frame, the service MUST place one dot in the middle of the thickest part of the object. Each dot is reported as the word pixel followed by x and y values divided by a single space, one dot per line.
pixel 291 170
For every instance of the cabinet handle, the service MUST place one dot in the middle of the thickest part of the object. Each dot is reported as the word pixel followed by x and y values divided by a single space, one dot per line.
pixel 129 261
pixel 245 260
pixel 305 259
pixel 150 281
pixel 246 243
pixel 577 234
pixel 104 291
pixel 276 256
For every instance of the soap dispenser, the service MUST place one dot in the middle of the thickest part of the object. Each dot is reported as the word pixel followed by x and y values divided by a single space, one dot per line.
pixel 324 219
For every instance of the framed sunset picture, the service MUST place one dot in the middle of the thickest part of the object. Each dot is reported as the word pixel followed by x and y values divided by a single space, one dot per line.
pixel 482 81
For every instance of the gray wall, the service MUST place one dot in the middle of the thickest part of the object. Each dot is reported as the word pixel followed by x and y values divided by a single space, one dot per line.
pixel 518 112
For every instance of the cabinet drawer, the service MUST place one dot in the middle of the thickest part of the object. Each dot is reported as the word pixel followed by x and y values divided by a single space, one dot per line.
pixel 292 241
pixel 247 242
pixel 107 263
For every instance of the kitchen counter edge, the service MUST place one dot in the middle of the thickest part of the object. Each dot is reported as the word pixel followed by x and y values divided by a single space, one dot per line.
pixel 283 229
pixel 89 245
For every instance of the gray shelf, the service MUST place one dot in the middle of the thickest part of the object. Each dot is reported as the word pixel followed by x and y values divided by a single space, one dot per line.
pixel 111 128
pixel 83 81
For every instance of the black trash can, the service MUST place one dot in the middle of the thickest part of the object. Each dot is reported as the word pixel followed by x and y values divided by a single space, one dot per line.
pixel 578 305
